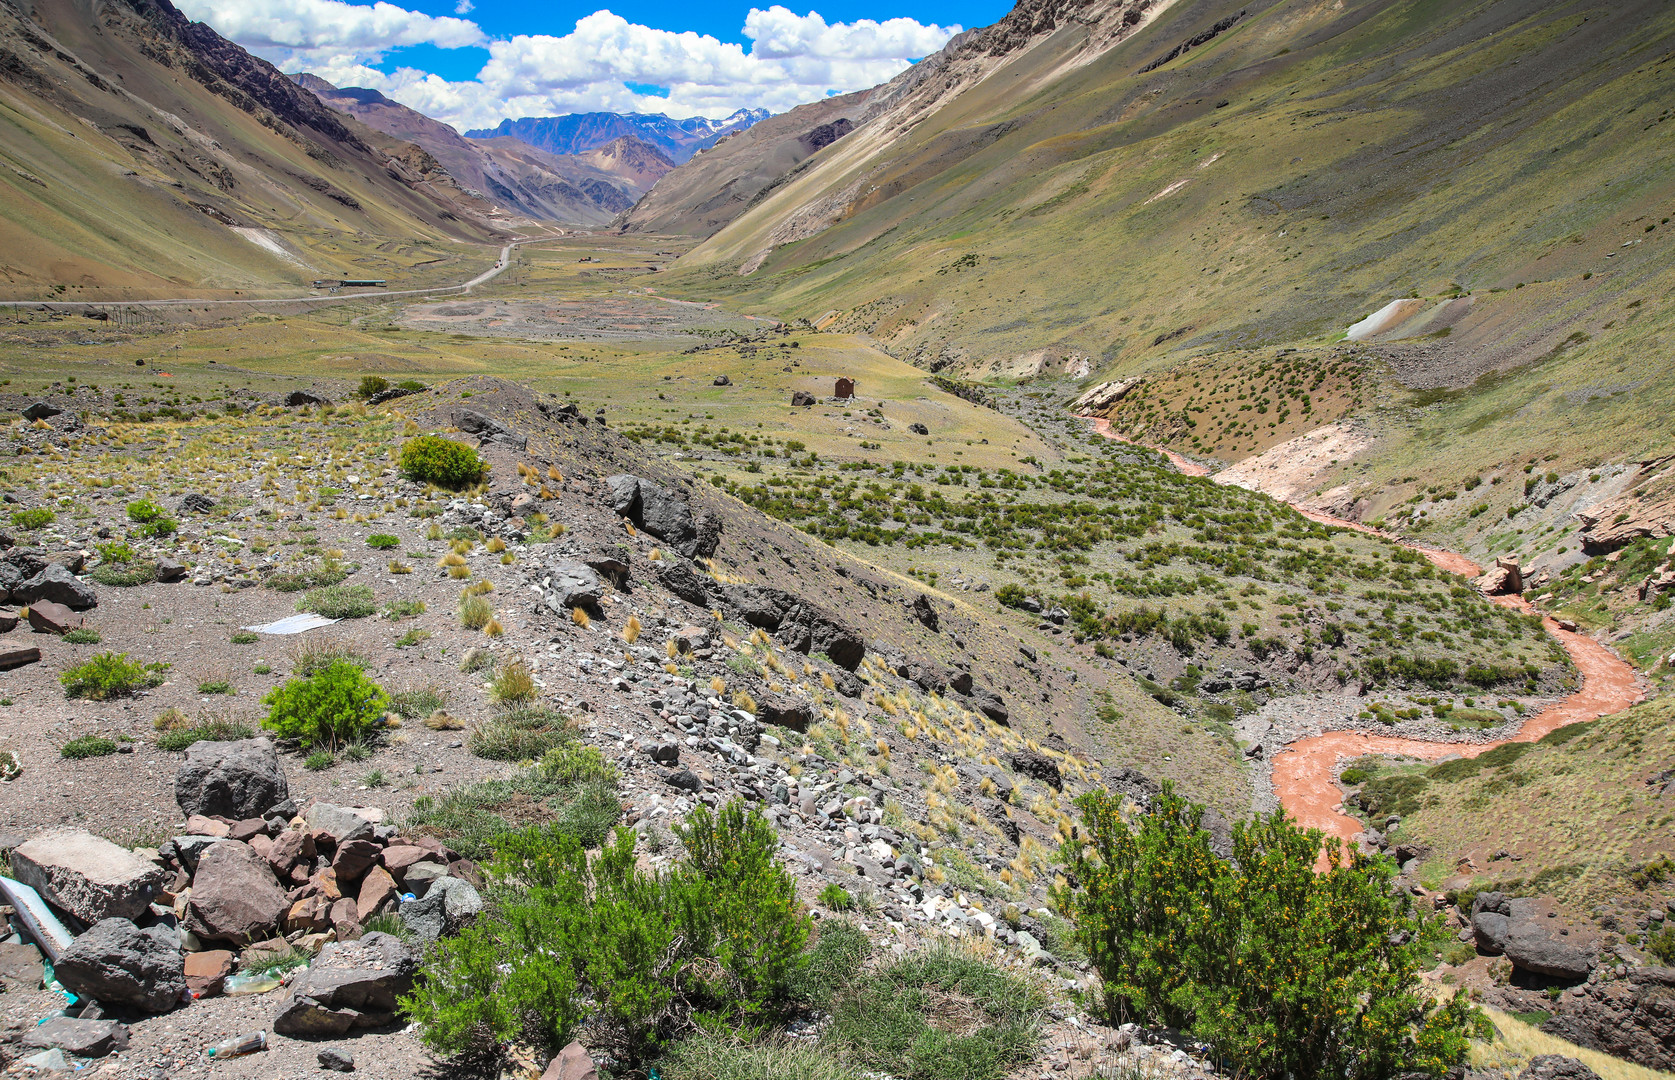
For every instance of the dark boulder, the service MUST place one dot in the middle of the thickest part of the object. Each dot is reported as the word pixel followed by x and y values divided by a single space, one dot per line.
pixel 41 410
pixel 685 582
pixel 488 429
pixel 194 503
pixel 1631 1018
pixel 1556 1067
pixel 305 397
pixel 351 984
pixel 1038 767
pixel 709 535
pixel 919 429
pixel 118 963
pixel 785 712
pixel 236 780
pixel 925 612
pixel 57 584
pixel 802 399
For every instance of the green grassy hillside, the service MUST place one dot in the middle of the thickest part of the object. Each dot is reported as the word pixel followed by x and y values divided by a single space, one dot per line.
pixel 1266 190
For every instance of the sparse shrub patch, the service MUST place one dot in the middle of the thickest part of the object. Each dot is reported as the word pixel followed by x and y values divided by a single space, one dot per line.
pixel 340 601
pixel 109 675
pixel 87 746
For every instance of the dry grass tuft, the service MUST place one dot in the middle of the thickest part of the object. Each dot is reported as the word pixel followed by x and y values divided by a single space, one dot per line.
pixel 579 617
pixel 631 632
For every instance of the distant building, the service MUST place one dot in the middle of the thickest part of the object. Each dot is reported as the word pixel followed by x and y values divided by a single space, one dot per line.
pixel 845 388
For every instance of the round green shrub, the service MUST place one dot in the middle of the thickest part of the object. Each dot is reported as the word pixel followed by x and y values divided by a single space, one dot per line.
pixel 88 746
pixel 431 459
pixel 382 541
pixel 337 704
pixel 372 384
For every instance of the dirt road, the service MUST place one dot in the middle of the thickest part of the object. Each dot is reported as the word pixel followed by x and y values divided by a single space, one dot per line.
pixel 1305 771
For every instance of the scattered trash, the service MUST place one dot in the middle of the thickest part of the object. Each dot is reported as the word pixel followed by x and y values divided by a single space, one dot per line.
pixel 235 985
pixel 292 624
pixel 11 766
pixel 43 926
pixel 244 1044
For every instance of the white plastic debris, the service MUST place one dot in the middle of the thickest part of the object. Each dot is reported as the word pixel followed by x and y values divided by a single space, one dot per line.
pixel 293 624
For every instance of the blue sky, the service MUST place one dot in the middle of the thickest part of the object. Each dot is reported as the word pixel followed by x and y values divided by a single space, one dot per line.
pixel 474 62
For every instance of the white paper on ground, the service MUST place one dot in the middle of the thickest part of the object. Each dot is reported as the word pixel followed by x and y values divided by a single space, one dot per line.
pixel 293 624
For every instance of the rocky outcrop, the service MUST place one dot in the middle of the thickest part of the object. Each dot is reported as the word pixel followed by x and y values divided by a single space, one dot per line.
pixel 1038 766
pixel 119 963
pixel 1506 577
pixel 236 780
pixel 1646 509
pixel 1104 395
pixel 800 624
pixel 572 584
pixel 660 511
pixel 488 429
pixel 1556 1067
pixel 1631 1018
pixel 86 875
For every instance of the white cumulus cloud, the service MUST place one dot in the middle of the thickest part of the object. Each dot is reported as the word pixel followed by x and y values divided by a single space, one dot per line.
pixel 791 58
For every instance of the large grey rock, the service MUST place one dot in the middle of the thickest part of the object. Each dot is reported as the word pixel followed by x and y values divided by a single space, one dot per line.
pixel 188 849
pixel 573 584
pixel 40 410
pixel 1489 930
pixel 800 624
pixel 86 875
pixel 1532 947
pixel 710 528
pixel 56 583
pixel 237 780
pixel 83 1038
pixel 351 984
pixel 306 397
pixel 342 822
pixel 1038 767
pixel 448 905
pixel 785 712
pixel 234 896
pixel 119 963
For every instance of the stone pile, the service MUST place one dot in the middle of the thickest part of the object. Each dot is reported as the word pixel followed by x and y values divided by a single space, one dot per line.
pixel 250 878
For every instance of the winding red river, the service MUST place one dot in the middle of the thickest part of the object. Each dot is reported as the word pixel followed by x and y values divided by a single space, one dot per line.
pixel 1304 771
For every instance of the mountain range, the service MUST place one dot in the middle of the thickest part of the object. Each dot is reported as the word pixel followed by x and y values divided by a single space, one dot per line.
pixel 586 188
pixel 579 132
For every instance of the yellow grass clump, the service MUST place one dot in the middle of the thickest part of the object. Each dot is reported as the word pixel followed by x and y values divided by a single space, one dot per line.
pixel 631 632
pixel 579 617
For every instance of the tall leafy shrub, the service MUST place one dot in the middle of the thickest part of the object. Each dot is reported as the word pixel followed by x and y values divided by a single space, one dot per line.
pixel 1284 970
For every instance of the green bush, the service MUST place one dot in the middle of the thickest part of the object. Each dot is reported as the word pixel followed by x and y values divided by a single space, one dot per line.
pixel 340 601
pixel 109 675
pixel 396 610
pixel 893 1021
pixel 37 518
pixel 836 897
pixel 1283 970
pixel 473 819
pixel 1011 595
pixel 163 526
pixel 141 511
pixel 115 551
pixel 337 704
pixel 88 746
pixel 81 635
pixel 372 384
pixel 383 541
pixel 245 637
pixel 431 459
pixel 1662 945
pixel 711 1055
pixel 634 954
pixel 328 573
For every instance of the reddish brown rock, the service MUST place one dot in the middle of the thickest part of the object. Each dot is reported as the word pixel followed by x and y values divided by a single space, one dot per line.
pixel 261 845
pixel 199 825
pixel 398 858
pixel 572 1063
pixel 16 655
pixel 290 848
pixel 234 896
pixel 205 971
pixel 248 828
pixel 354 859
pixel 378 891
pixel 311 915
pixel 345 920
pixel 325 884
pixel 50 618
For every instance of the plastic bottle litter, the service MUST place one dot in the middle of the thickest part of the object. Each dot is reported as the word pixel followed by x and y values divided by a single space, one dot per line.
pixel 244 1044
pixel 249 984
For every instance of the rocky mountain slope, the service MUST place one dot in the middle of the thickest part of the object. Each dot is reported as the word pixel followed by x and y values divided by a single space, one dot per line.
pixel 148 156
pixel 575 133
pixel 720 183
pixel 587 189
